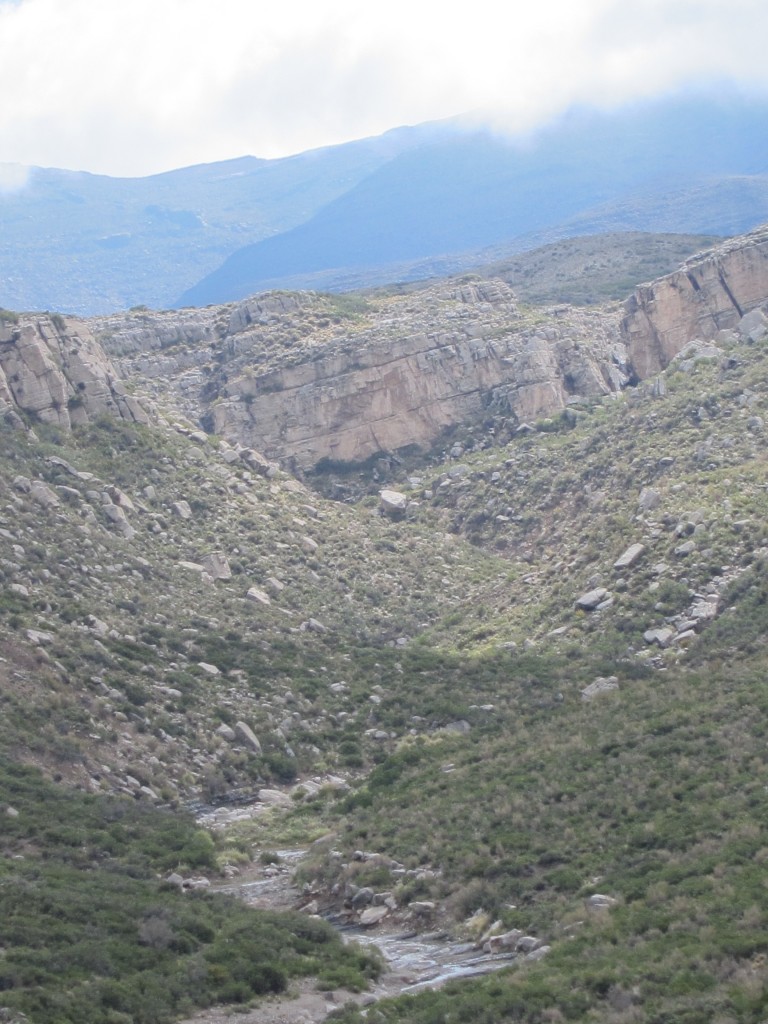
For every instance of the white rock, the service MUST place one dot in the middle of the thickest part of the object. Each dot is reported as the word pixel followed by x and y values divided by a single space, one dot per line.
pixel 629 557
pixel 600 686
pixel 246 734
pixel 393 501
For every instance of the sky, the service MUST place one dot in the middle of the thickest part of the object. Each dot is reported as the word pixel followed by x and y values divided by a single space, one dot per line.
pixel 134 87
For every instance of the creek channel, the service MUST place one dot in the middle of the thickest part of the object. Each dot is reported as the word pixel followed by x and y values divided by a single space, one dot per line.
pixel 414 961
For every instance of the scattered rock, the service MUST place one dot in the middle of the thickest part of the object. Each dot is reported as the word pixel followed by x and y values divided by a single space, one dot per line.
pixel 599 686
pixel 685 549
pixel 182 509
pixel 504 941
pixel 630 557
pixel 528 943
pixel 274 797
pixel 246 735
pixel 589 602
pixel 393 503
pixel 217 567
pixel 662 636
pixel 599 901
pixel 373 916
pixel 649 499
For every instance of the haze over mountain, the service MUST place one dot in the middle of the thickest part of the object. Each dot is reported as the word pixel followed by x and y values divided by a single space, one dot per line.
pixel 86 243
pixel 475 189
pixel 404 205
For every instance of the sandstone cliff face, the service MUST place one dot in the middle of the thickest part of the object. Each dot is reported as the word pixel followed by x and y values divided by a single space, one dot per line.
pixel 55 370
pixel 405 379
pixel 709 293
pixel 303 377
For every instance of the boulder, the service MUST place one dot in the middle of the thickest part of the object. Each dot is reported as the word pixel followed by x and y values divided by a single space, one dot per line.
pixel 649 499
pixel 246 735
pixel 599 901
pixel 373 916
pixel 527 944
pixel 661 636
pixel 630 557
pixel 600 686
pixel 588 602
pixel 505 941
pixel 393 503
pixel 181 509
pixel 217 566
pixel 43 495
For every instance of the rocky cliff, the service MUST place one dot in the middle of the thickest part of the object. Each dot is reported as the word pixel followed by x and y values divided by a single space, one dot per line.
pixel 397 387
pixel 54 370
pixel 304 378
pixel 709 293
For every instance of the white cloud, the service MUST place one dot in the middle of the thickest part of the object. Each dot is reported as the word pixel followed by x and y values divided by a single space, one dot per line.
pixel 13 178
pixel 135 86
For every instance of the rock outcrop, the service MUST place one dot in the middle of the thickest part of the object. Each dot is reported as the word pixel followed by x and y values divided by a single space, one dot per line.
pixel 54 370
pixel 407 377
pixel 303 377
pixel 709 293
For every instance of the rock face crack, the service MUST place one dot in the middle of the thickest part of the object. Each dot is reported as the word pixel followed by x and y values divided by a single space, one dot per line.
pixel 729 293
pixel 710 293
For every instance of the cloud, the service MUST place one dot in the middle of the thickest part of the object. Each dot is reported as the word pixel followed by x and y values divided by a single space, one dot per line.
pixel 136 86
pixel 13 178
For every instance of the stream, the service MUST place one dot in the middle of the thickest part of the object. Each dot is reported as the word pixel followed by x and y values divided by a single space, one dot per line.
pixel 414 961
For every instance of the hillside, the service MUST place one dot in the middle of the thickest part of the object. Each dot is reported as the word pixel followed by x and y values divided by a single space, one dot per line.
pixel 521 688
pixel 85 243
pixel 414 203
pixel 679 166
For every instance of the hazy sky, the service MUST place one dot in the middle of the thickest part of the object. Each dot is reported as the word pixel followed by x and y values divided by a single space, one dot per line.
pixel 130 87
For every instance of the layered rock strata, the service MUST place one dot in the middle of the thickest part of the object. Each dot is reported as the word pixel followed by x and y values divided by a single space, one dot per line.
pixel 53 370
pixel 709 293
pixel 408 377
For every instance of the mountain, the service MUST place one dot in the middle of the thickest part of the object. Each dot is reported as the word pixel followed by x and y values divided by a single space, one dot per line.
pixel 509 688
pixel 84 243
pixel 416 202
pixel 683 165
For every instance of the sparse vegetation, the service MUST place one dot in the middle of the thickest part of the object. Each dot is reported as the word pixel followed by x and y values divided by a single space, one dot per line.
pixel 161 591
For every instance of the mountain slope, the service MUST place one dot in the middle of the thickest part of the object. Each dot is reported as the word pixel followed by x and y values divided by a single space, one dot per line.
pixel 526 704
pixel 84 243
pixel 477 190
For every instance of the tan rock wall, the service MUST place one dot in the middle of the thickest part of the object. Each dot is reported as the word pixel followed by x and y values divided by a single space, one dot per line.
pixel 708 294
pixel 389 395
pixel 54 369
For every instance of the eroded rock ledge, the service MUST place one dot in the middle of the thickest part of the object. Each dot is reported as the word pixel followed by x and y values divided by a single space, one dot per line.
pixel 711 292
pixel 397 375
pixel 53 369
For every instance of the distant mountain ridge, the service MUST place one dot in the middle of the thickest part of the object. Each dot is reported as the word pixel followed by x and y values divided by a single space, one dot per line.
pixel 86 244
pixel 672 166
pixel 412 203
